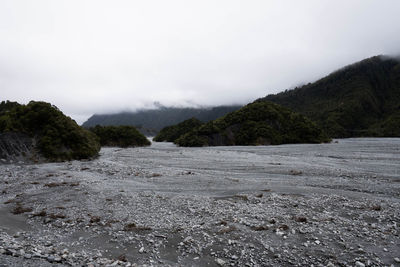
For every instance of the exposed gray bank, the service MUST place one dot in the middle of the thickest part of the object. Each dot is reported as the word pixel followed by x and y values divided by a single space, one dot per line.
pixel 16 147
pixel 329 205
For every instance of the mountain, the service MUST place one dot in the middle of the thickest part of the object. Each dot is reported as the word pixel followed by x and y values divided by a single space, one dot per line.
pixel 171 133
pixel 258 123
pixel 362 99
pixel 157 119
pixel 40 131
pixel 120 136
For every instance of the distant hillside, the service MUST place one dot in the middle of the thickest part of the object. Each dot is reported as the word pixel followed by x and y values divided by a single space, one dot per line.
pixel 362 99
pixel 38 131
pixel 157 119
pixel 259 123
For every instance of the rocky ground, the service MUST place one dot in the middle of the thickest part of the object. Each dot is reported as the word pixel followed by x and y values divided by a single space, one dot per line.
pixel 293 205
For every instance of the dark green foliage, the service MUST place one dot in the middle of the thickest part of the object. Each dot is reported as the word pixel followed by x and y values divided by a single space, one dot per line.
pixel 259 123
pixel 57 136
pixel 171 133
pixel 358 100
pixel 120 136
pixel 159 118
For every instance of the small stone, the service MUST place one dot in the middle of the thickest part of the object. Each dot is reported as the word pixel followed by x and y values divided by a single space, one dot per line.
pixel 359 264
pixel 317 242
pixel 385 249
pixel 397 260
pixel 220 262
pixel 187 239
pixel 330 264
pixel 28 256
pixel 234 257
pixel 141 250
pixel 2 251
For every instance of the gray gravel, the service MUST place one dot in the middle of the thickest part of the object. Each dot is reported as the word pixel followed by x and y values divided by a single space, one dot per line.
pixel 292 205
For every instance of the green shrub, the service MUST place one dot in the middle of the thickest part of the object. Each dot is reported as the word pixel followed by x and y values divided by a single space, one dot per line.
pixel 120 136
pixel 58 137
pixel 258 123
pixel 172 133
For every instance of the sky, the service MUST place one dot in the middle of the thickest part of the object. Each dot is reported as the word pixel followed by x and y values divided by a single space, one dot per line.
pixel 96 56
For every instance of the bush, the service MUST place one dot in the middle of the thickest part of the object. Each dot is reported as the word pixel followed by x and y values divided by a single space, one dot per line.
pixel 120 136
pixel 172 133
pixel 258 123
pixel 57 136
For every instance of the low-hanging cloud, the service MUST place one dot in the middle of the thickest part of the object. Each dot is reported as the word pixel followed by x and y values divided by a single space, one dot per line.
pixel 99 56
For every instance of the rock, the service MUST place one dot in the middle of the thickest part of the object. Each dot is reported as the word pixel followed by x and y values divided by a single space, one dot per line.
pixel 141 250
pixel 397 260
pixel 188 239
pixel 359 264
pixel 28 256
pixel 220 262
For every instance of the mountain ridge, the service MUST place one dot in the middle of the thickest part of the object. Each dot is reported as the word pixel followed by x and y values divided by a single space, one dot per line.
pixel 156 119
pixel 361 99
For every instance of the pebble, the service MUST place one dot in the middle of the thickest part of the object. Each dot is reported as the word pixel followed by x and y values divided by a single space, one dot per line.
pixel 231 248
pixel 220 262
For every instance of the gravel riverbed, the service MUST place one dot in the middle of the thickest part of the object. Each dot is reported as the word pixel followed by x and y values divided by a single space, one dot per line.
pixel 331 204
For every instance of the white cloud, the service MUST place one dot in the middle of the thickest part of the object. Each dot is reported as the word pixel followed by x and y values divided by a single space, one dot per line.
pixel 101 56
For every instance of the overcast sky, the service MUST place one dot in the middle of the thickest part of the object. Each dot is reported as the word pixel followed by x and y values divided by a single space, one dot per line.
pixel 105 56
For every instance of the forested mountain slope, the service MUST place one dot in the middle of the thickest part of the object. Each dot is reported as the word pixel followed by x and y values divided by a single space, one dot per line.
pixel 362 99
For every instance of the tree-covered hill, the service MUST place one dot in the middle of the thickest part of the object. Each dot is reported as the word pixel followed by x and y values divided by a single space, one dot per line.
pixel 171 133
pixel 259 123
pixel 53 135
pixel 157 119
pixel 120 136
pixel 362 99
